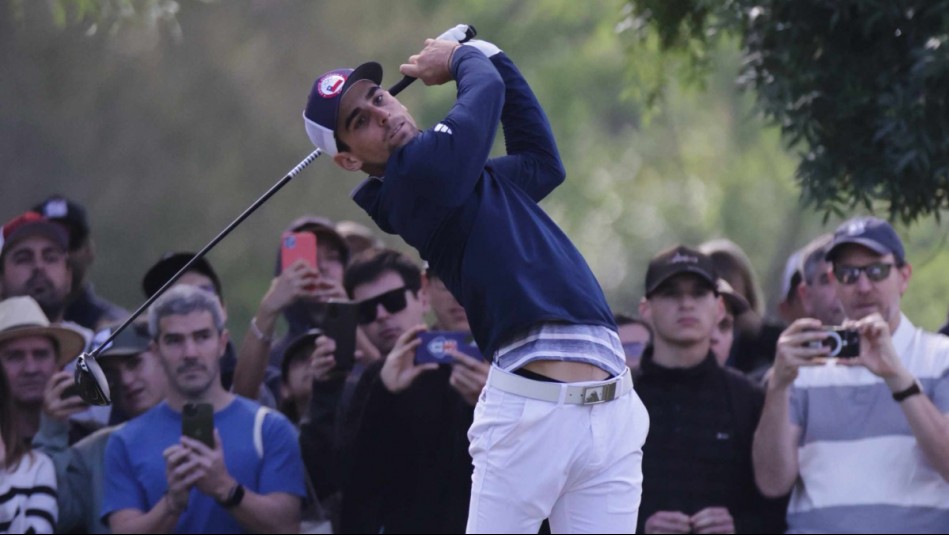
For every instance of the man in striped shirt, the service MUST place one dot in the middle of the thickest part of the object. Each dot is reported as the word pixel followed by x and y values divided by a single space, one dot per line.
pixel 863 441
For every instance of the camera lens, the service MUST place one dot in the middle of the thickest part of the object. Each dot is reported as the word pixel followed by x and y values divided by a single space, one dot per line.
pixel 834 342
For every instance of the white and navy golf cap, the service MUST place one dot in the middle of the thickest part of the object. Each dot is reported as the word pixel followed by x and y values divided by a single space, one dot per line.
pixel 873 233
pixel 322 107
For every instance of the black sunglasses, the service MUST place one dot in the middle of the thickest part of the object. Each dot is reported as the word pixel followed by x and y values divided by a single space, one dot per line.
pixel 91 381
pixel 851 274
pixel 393 301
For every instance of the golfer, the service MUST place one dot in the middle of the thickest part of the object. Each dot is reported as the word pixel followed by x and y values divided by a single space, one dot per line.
pixel 558 430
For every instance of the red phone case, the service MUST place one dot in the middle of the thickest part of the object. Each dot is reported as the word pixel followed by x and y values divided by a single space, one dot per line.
pixel 297 245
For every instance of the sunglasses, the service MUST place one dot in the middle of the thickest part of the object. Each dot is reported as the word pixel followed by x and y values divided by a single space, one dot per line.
pixel 91 381
pixel 851 274
pixel 393 301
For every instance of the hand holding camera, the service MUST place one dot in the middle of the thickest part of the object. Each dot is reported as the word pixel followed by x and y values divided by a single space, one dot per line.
pixel 841 342
pixel 400 370
pixel 801 344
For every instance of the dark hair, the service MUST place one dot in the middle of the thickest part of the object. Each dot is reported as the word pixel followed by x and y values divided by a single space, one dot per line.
pixel 373 263
pixel 15 447
pixel 732 264
pixel 628 319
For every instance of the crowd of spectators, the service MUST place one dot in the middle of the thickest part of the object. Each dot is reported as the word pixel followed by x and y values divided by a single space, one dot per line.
pixel 323 419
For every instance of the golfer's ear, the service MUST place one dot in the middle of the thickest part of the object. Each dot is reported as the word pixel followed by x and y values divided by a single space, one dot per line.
pixel 347 161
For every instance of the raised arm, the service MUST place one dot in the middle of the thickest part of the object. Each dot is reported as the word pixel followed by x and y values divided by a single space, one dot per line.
pixel 774 452
pixel 532 161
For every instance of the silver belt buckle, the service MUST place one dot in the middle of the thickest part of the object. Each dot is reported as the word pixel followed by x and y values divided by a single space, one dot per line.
pixel 593 395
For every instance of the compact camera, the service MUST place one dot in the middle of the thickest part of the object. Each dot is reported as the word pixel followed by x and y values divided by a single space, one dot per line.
pixel 843 343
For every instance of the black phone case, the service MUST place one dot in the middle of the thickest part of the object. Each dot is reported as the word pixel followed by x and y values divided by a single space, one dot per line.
pixel 337 320
pixel 197 422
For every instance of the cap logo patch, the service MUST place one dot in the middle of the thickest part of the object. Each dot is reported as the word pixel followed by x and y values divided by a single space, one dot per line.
pixel 856 227
pixel 55 208
pixel 680 258
pixel 330 85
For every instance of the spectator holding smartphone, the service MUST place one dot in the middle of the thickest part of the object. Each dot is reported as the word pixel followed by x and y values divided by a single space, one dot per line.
pixel 862 443
pixel 137 383
pixel 158 481
pixel 299 292
pixel 399 455
pixel 27 478
pixel 32 353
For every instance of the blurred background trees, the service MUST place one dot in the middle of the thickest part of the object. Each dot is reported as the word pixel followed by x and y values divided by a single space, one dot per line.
pixel 166 119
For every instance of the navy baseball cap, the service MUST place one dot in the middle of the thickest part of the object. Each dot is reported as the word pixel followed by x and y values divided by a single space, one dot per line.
pixel 871 232
pixel 67 212
pixel 676 261
pixel 169 264
pixel 322 106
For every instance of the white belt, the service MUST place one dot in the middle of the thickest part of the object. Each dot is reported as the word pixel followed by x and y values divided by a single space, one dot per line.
pixel 588 393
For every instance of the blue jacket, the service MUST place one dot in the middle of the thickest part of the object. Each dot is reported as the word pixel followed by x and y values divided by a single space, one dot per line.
pixel 476 220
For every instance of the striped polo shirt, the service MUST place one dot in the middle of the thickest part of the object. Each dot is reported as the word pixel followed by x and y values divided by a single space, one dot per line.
pixel 860 467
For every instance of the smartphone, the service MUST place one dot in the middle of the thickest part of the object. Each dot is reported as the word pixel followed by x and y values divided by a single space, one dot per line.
pixel 297 245
pixel 435 346
pixel 197 422
pixel 337 320
pixel 69 391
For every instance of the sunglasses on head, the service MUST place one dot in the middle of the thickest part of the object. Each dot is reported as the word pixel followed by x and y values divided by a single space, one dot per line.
pixel 851 274
pixel 393 301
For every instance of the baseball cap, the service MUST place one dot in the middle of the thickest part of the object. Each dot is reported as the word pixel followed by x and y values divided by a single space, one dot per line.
pixel 294 346
pixel 675 261
pixel 791 277
pixel 32 224
pixel 69 213
pixel 171 263
pixel 871 232
pixel 322 106
pixel 131 341
pixel 736 303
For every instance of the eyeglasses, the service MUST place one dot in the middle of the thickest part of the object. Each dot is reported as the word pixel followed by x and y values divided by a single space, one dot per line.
pixel 393 301
pixel 850 274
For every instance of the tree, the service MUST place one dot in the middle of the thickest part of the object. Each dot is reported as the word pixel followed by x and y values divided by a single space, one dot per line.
pixel 859 88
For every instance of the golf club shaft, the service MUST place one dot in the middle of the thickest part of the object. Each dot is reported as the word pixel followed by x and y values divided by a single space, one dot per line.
pixel 461 33
pixel 269 193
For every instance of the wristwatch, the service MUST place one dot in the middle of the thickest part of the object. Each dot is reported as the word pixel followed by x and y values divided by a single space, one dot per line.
pixel 914 389
pixel 233 498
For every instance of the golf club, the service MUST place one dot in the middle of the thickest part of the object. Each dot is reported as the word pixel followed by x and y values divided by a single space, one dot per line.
pixel 89 377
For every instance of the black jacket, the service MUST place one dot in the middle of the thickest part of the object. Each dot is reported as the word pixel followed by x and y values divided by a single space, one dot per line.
pixel 698 452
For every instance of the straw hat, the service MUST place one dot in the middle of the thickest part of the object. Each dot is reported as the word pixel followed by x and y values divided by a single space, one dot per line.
pixel 22 316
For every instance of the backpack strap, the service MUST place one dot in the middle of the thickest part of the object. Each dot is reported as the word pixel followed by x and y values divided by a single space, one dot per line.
pixel 259 429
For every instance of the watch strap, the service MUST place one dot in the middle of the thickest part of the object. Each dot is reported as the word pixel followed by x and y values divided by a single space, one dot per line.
pixel 234 498
pixel 913 389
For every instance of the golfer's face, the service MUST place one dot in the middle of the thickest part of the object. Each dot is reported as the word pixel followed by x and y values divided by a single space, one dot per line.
pixel 373 123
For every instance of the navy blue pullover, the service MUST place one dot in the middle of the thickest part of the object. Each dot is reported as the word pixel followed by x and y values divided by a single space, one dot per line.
pixel 476 220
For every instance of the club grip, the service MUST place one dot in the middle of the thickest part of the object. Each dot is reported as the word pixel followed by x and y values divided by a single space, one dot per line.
pixel 461 33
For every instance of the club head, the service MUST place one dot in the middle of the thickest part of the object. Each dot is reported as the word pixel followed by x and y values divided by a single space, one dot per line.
pixel 93 386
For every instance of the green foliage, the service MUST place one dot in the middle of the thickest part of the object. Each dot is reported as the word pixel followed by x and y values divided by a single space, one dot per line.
pixel 165 140
pixel 112 15
pixel 859 88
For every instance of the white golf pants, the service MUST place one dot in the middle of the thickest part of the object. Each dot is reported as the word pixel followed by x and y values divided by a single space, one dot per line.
pixel 578 465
